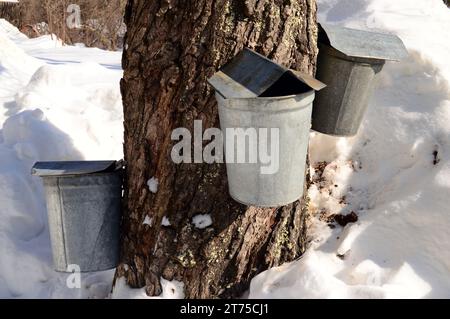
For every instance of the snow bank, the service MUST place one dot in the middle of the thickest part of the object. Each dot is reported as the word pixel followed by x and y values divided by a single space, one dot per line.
pixel 49 110
pixel 82 100
pixel 394 174
pixel 16 69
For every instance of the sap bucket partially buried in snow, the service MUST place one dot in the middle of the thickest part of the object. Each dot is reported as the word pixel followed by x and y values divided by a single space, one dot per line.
pixel 348 63
pixel 84 212
pixel 265 115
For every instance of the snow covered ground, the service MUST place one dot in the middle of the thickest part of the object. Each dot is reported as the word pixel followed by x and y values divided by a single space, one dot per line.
pixel 395 174
pixel 60 102
pixel 56 103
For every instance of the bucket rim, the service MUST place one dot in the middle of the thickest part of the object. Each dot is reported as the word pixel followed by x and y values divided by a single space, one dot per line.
pixel 305 100
pixel 268 98
pixel 278 204
pixel 317 130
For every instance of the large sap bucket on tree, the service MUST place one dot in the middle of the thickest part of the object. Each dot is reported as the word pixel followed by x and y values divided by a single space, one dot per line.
pixel 348 63
pixel 265 115
pixel 84 212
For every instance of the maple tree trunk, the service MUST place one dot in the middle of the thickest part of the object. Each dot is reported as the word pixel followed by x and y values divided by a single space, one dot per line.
pixel 171 48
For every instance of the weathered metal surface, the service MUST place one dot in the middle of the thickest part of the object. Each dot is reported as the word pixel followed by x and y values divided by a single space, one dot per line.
pixel 72 168
pixel 311 81
pixel 250 75
pixel 363 44
pixel 340 107
pixel 84 213
pixel 292 117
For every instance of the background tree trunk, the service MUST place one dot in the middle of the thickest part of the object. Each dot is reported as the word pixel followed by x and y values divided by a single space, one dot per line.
pixel 171 48
pixel 10 11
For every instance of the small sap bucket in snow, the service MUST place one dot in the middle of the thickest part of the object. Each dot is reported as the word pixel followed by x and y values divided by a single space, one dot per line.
pixel 348 63
pixel 84 212
pixel 264 108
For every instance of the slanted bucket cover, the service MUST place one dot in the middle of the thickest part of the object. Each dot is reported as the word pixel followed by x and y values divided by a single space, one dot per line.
pixel 363 44
pixel 250 75
pixel 74 168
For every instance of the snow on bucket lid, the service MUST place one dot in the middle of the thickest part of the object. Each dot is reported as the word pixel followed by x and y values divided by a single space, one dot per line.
pixel 250 75
pixel 74 168
pixel 363 44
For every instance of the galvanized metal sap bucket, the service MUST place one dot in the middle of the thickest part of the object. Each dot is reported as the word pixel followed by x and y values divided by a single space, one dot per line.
pixel 348 62
pixel 255 93
pixel 84 212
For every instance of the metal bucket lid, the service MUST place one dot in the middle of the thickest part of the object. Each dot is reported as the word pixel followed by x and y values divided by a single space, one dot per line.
pixel 363 44
pixel 250 75
pixel 74 168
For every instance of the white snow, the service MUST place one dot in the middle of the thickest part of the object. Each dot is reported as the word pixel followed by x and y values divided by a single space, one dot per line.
pixel 165 221
pixel 56 103
pixel 400 246
pixel 153 184
pixel 63 103
pixel 123 291
pixel 170 290
pixel 202 221
pixel 148 221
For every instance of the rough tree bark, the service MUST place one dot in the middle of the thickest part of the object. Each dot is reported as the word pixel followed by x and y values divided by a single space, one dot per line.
pixel 172 47
pixel 10 11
